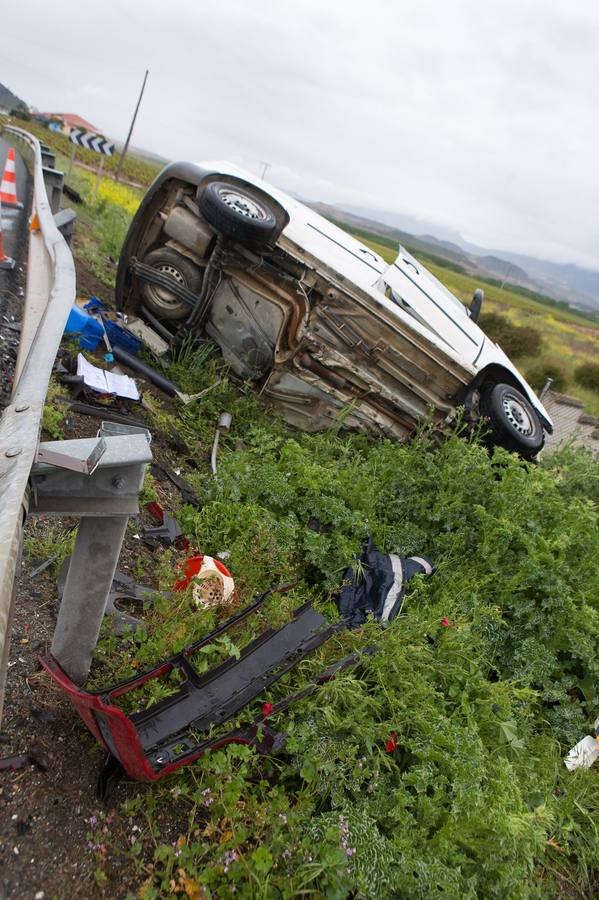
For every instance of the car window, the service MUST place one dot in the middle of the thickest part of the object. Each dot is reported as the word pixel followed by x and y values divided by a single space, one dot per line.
pixel 395 297
pixel 428 276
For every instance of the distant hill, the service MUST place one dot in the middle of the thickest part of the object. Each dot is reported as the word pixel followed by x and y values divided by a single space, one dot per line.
pixel 561 281
pixel 9 100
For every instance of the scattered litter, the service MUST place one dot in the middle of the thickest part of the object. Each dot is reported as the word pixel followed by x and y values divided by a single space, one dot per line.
pixel 94 322
pixel 376 584
pixel 123 588
pixel 156 511
pixel 100 412
pixel 149 337
pixel 43 715
pixel 224 424
pixel 169 387
pixel 43 566
pixel 169 532
pixel 585 752
pixel 20 760
pixel 211 582
pixel 106 382
pixel 163 472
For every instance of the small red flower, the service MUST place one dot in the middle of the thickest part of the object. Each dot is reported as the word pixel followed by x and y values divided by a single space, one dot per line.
pixel 267 708
pixel 445 622
pixel 391 745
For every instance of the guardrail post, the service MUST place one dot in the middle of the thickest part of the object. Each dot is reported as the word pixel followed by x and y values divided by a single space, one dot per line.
pixel 104 500
pixel 48 159
pixel 93 564
pixel 54 180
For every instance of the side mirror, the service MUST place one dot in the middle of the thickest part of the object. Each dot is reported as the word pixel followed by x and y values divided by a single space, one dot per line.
pixel 476 305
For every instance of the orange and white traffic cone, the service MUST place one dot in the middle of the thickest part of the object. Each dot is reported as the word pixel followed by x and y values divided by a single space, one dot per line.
pixel 6 262
pixel 8 188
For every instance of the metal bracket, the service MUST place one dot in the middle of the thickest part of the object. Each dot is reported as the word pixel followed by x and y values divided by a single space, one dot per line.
pixel 99 476
pixel 64 461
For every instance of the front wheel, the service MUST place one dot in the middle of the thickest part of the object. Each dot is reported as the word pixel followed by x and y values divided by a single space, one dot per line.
pixel 513 422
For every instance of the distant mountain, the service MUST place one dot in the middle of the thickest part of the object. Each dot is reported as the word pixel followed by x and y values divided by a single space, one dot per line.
pixel 562 281
pixel 8 100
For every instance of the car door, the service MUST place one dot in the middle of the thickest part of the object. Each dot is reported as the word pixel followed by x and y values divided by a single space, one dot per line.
pixel 417 292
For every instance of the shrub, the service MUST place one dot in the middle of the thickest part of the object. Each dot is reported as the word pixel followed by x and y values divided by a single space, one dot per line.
pixel 539 372
pixel 516 340
pixel 587 375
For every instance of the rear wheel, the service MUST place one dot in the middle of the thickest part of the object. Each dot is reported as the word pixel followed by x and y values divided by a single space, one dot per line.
pixel 513 422
pixel 160 300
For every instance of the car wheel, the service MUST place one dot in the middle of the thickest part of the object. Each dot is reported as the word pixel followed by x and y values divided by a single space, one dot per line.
pixel 237 214
pixel 514 424
pixel 159 300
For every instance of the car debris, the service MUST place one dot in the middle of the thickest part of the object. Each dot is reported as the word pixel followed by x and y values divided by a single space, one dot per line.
pixel 169 532
pixel 100 412
pixel 124 589
pixel 164 472
pixel 210 580
pixel 585 753
pixel 177 730
pixel 20 760
pixel 314 319
pixel 94 321
pixel 223 424
pixel 376 584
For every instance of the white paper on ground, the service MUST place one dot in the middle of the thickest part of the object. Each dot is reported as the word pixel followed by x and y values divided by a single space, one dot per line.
pixel 106 382
pixel 583 755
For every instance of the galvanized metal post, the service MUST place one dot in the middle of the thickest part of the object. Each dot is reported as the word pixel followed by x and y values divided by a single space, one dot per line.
pixel 93 564
pixel 99 480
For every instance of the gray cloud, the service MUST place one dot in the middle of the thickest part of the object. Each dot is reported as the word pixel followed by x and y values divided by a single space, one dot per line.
pixel 480 117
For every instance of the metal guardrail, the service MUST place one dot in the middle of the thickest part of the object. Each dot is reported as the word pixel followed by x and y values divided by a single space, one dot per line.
pixel 49 297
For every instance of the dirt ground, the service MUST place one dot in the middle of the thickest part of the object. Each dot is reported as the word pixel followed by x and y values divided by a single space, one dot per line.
pixel 48 805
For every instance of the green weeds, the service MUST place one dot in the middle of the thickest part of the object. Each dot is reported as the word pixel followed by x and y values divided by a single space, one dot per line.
pixel 435 770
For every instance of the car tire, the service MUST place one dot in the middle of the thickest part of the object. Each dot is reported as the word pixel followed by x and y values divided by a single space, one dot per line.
pixel 159 300
pixel 237 214
pixel 513 422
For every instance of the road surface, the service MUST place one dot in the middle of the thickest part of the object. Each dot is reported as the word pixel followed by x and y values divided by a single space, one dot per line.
pixel 12 283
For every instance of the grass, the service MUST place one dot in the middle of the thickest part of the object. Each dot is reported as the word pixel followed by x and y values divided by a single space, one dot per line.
pixel 105 220
pixel 473 799
pixel 569 337
pixel 135 169
pixel 486 679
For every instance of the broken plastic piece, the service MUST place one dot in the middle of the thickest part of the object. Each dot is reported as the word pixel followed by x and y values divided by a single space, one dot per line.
pixel 177 730
pixel 170 532
pixel 156 511
pixel 583 754
pixel 212 584
pixel 20 760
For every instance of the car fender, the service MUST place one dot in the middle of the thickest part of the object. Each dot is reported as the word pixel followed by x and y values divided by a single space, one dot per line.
pixel 493 363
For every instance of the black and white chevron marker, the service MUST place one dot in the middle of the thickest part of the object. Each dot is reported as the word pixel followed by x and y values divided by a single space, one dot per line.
pixel 91 142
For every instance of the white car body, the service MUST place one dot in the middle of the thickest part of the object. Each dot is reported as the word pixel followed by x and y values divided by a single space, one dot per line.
pixel 388 344
pixel 446 322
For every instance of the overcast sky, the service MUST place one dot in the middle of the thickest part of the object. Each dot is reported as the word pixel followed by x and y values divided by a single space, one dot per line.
pixel 481 117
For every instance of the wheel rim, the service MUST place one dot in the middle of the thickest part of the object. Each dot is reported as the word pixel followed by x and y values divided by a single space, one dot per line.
pixel 162 296
pixel 242 205
pixel 517 415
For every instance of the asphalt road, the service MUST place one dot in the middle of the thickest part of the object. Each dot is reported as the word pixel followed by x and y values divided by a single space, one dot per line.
pixel 12 282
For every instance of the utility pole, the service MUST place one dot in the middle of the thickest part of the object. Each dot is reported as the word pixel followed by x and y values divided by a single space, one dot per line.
pixel 265 169
pixel 126 147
